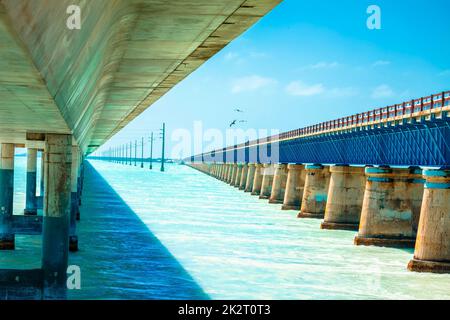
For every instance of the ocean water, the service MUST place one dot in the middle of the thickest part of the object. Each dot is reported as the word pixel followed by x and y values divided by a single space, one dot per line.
pixel 224 244
pixel 236 246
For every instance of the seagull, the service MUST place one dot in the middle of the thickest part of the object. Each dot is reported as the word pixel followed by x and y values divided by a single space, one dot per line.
pixel 233 123
pixel 238 110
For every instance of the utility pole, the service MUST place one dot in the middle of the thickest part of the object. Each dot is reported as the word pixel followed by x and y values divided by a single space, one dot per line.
pixel 135 153
pixel 142 153
pixel 163 137
pixel 131 152
pixel 151 151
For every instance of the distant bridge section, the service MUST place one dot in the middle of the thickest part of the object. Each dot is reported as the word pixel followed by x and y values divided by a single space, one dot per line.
pixel 415 132
pixel 92 82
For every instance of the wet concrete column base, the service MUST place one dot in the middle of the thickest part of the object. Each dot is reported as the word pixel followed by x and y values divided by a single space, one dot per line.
pixel 391 207
pixel 267 181
pixel 432 250
pixel 31 200
pixel 57 208
pixel 279 184
pixel 250 177
pixel 315 192
pixel 295 183
pixel 244 175
pixel 7 237
pixel 345 198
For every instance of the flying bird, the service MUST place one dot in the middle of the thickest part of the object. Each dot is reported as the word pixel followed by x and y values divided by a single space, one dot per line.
pixel 242 121
pixel 233 123
pixel 238 110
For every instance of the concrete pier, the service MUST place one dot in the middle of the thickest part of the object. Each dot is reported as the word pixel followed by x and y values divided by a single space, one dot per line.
pixel 250 177
pixel 295 183
pixel 391 207
pixel 237 178
pixel 31 200
pixel 267 181
pixel 345 198
pixel 257 180
pixel 7 237
pixel 315 192
pixel 57 204
pixel 432 250
pixel 279 184
pixel 244 175
pixel 234 169
pixel 230 172
pixel 74 202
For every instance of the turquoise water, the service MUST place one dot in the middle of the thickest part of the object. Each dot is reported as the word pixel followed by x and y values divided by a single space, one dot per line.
pixel 231 245
pixel 236 246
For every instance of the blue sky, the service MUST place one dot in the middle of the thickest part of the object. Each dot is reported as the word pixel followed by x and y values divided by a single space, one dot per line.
pixel 308 62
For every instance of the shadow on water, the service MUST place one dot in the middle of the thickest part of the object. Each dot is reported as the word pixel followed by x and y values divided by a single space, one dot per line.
pixel 119 257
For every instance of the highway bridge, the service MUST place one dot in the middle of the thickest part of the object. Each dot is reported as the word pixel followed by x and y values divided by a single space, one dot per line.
pixel 384 173
pixel 65 91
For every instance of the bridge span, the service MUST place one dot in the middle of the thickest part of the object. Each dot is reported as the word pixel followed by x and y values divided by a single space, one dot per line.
pixel 384 173
pixel 65 91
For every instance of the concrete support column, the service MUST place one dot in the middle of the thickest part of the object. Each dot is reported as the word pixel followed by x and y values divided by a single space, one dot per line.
pixel 315 192
pixel 31 200
pixel 237 179
pixel 294 187
pixel 432 251
pixel 257 180
pixel 391 207
pixel 42 174
pixel 56 222
pixel 345 198
pixel 222 170
pixel 74 202
pixel 229 173
pixel 279 184
pixel 267 181
pixel 250 177
pixel 7 238
pixel 234 167
pixel 244 175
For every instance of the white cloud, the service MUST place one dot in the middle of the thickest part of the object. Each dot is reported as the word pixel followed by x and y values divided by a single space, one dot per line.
pixel 382 91
pixel 251 83
pixel 299 88
pixel 322 65
pixel 380 63
pixel 231 56
pixel 343 92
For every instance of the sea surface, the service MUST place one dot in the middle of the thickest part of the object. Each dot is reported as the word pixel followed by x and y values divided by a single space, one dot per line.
pixel 218 243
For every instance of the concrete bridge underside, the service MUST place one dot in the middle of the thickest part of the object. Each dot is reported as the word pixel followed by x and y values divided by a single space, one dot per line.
pixel 128 53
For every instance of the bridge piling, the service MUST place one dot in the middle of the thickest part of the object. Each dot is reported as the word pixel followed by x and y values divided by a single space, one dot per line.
pixel 31 200
pixel 74 208
pixel 295 183
pixel 345 198
pixel 56 222
pixel 250 177
pixel 391 207
pixel 267 181
pixel 315 192
pixel 233 174
pixel 244 175
pixel 432 250
pixel 230 173
pixel 257 180
pixel 238 175
pixel 279 184
pixel 7 236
